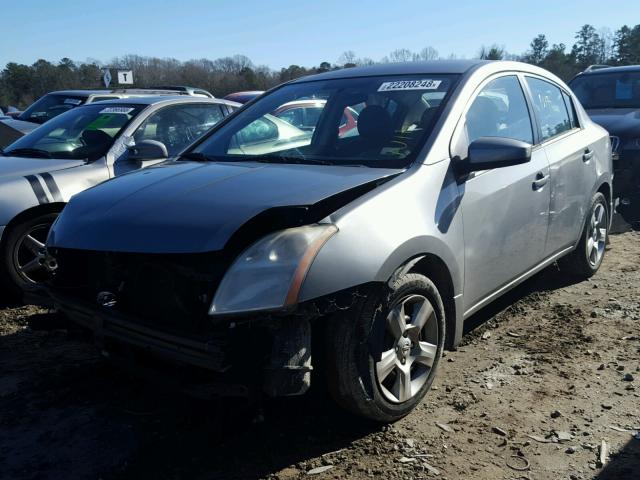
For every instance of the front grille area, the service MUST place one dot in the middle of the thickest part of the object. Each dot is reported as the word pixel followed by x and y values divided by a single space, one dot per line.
pixel 170 292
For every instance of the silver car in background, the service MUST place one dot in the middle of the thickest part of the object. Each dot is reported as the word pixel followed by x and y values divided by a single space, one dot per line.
pixel 54 103
pixel 257 257
pixel 80 148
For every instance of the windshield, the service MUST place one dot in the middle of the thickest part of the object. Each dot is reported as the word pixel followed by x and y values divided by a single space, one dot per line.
pixel 608 90
pixel 373 121
pixel 83 133
pixel 49 106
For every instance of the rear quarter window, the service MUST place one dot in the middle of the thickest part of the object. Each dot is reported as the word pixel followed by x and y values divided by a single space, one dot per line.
pixel 573 118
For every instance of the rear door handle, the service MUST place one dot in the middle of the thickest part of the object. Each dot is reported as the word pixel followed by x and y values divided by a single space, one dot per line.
pixel 588 155
pixel 540 181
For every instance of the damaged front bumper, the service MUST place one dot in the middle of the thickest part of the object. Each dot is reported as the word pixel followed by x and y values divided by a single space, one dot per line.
pixel 241 358
pixel 109 326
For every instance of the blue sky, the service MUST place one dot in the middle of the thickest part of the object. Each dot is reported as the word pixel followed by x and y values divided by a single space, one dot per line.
pixel 279 33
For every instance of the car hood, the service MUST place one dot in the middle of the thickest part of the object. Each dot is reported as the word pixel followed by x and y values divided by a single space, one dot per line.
pixel 20 125
pixel 621 122
pixel 194 207
pixel 11 130
pixel 21 166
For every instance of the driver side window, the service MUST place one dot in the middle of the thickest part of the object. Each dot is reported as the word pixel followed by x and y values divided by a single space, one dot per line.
pixel 500 110
pixel 179 125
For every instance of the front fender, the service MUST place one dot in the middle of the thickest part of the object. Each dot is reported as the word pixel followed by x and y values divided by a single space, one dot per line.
pixel 16 196
pixel 412 215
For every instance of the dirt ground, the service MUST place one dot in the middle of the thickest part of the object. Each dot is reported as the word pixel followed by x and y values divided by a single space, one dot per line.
pixel 545 377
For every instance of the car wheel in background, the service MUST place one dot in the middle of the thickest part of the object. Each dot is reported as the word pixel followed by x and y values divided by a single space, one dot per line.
pixel 381 364
pixel 586 259
pixel 20 266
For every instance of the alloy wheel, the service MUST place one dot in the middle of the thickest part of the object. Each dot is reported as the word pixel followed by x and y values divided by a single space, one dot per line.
pixel 28 252
pixel 597 235
pixel 410 348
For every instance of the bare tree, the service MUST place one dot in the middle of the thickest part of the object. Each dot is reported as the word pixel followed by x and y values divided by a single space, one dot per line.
pixel 401 55
pixel 427 53
pixel 348 57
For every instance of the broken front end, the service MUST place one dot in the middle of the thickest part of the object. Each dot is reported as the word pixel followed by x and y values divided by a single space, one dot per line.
pixel 154 314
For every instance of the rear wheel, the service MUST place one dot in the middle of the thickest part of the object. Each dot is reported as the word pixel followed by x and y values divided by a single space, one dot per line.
pixel 586 259
pixel 381 364
pixel 20 266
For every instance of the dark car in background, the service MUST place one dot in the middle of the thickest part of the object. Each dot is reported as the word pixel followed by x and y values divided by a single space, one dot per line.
pixel 244 97
pixel 611 97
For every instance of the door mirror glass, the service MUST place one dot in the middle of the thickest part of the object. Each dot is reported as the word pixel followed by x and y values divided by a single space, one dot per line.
pixel 495 152
pixel 148 150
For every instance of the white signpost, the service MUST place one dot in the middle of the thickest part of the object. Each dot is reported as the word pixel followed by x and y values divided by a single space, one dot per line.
pixel 125 77
pixel 106 77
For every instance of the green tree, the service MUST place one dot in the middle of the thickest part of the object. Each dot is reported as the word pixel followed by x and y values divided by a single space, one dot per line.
pixel 627 45
pixel 539 50
pixel 494 52
pixel 589 48
pixel 559 62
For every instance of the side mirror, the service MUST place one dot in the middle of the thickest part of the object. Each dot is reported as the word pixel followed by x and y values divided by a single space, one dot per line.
pixel 148 150
pixel 495 152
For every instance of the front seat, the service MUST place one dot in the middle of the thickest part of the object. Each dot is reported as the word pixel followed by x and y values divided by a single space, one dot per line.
pixel 375 130
pixel 96 143
pixel 166 132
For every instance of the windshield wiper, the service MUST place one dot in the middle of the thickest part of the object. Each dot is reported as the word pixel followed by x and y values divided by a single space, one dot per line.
pixel 282 159
pixel 198 157
pixel 29 152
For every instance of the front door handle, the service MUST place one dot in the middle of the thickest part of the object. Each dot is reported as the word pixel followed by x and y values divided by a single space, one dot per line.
pixel 540 181
pixel 588 154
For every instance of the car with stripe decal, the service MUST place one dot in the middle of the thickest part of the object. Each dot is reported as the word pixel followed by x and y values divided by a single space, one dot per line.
pixel 54 103
pixel 81 148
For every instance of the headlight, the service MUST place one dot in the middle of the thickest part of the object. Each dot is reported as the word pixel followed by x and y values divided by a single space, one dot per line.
pixel 269 273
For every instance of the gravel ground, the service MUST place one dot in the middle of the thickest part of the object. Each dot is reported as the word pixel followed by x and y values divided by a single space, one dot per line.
pixel 545 379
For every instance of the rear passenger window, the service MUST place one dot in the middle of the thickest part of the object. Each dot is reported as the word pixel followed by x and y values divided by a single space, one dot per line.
pixel 549 107
pixel 500 110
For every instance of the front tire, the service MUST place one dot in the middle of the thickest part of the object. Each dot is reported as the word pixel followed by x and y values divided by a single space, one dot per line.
pixel 381 364
pixel 20 268
pixel 586 259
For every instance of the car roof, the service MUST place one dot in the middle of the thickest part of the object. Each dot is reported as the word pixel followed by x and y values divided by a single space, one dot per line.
pixel 405 68
pixel 625 68
pixel 80 93
pixel 153 100
pixel 246 92
pixel 167 90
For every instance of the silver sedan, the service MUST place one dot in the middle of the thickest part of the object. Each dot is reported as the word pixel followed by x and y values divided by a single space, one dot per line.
pixel 461 180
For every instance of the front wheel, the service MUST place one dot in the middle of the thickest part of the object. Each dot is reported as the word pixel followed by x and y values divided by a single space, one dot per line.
pixel 20 266
pixel 381 364
pixel 586 259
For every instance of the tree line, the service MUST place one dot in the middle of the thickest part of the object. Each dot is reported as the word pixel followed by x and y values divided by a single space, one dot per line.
pixel 21 84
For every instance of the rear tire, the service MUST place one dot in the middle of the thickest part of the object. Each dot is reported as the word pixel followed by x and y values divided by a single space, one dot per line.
pixel 382 357
pixel 587 257
pixel 19 251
